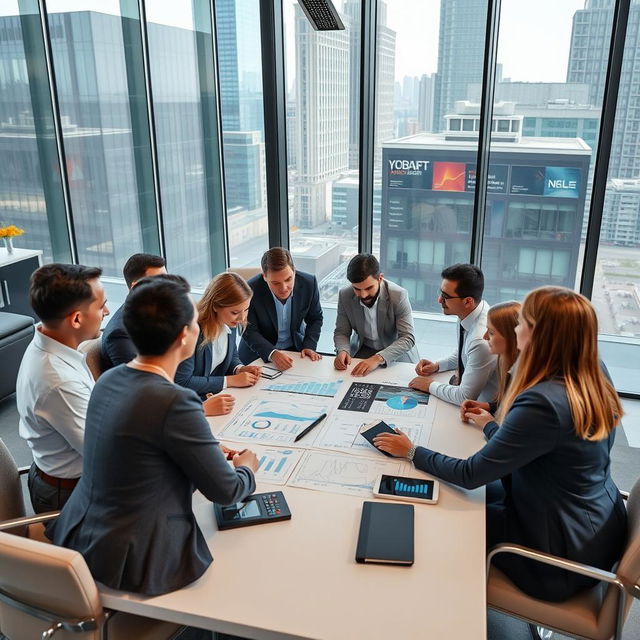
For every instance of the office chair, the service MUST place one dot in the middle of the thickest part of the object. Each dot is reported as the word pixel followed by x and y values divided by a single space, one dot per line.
pixel 589 615
pixel 12 502
pixel 48 591
pixel 246 272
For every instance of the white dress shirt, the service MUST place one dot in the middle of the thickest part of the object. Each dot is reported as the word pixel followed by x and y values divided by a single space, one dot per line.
pixel 371 337
pixel 479 380
pixel 52 393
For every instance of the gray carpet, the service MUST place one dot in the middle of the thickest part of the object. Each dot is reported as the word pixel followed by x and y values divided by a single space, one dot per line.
pixel 625 469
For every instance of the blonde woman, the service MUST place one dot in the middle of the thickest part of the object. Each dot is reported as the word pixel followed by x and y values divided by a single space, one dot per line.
pixel 557 427
pixel 215 364
pixel 502 320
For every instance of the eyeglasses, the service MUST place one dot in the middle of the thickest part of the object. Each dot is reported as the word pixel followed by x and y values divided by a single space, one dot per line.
pixel 446 296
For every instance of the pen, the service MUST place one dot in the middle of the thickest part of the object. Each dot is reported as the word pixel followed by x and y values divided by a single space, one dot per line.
pixel 315 423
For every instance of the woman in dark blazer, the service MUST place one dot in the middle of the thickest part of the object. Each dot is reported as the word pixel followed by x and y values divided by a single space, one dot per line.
pixel 147 448
pixel 557 427
pixel 215 365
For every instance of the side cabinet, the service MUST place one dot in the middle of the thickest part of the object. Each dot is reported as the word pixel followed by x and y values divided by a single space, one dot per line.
pixel 15 274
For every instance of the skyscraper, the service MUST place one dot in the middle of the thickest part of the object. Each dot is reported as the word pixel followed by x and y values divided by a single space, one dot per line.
pixel 322 126
pixel 460 53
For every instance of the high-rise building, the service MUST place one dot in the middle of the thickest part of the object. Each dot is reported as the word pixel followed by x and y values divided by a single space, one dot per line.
pixel 621 213
pixel 386 52
pixel 460 54
pixel 239 64
pixel 535 202
pixel 244 163
pixel 322 124
pixel 535 93
pixel 425 102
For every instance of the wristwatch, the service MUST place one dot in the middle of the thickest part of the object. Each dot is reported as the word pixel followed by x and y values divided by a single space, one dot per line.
pixel 412 453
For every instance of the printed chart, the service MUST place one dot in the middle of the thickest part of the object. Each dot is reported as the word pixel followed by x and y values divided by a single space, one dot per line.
pixel 276 464
pixel 273 422
pixel 342 433
pixel 340 473
pixel 307 387
pixel 387 400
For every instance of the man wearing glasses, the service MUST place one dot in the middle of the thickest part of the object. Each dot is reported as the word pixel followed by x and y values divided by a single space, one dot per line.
pixel 475 378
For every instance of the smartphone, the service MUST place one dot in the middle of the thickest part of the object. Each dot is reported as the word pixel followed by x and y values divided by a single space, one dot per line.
pixel 373 429
pixel 270 373
pixel 407 489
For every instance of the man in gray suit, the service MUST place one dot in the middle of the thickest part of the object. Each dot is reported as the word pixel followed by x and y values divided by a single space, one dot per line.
pixel 378 312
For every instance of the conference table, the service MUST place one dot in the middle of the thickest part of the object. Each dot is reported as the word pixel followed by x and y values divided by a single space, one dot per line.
pixel 299 578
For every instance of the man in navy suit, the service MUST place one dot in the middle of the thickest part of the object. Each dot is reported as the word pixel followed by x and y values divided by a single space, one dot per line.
pixel 117 347
pixel 285 312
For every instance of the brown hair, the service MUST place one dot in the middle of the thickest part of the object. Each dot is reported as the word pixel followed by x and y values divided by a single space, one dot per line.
pixel 564 346
pixel 504 318
pixel 225 290
pixel 276 259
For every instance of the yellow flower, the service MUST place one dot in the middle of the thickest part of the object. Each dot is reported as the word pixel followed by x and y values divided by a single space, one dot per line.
pixel 11 231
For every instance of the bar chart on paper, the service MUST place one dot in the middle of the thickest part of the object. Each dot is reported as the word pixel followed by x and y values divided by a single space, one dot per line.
pixel 275 463
pixel 307 387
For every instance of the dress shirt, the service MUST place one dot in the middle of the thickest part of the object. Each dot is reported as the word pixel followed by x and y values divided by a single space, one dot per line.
pixel 219 348
pixel 52 393
pixel 371 338
pixel 479 380
pixel 283 313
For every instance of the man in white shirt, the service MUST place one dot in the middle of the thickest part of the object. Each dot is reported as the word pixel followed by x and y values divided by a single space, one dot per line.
pixel 475 378
pixel 374 319
pixel 54 382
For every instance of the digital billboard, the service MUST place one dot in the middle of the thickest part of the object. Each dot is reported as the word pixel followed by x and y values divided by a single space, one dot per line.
pixel 527 180
pixel 562 182
pixel 409 173
pixel 496 180
pixel 449 176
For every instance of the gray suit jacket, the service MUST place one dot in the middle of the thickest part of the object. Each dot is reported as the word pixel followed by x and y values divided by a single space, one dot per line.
pixel 395 323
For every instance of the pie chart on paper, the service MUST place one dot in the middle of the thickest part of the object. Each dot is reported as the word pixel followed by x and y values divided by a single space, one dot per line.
pixel 402 403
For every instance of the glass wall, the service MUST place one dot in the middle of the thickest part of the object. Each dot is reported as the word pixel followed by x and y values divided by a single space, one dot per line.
pixel 425 143
pixel 30 187
pixel 323 80
pixel 543 142
pixel 240 72
pixel 97 111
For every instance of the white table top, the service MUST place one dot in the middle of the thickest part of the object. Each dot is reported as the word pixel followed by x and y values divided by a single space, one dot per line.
pixel 17 255
pixel 299 578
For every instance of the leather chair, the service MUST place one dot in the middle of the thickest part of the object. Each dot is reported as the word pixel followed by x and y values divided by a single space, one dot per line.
pixel 595 614
pixel 16 332
pixel 47 590
pixel 12 501
pixel 246 272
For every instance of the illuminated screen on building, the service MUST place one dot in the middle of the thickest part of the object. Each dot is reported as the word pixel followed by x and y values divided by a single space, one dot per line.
pixel 411 170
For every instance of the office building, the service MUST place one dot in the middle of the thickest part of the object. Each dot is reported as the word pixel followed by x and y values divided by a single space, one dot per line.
pixel 536 196
pixel 244 170
pixel 621 213
pixel 322 131
pixel 425 101
pixel 535 93
pixel 460 54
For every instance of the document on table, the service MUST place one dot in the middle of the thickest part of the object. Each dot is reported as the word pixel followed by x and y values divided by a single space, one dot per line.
pixel 387 400
pixel 342 433
pixel 299 385
pixel 274 421
pixel 340 473
pixel 276 463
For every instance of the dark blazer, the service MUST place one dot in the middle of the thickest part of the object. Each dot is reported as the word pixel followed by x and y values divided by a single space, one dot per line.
pixel 261 335
pixel 117 347
pixel 195 372
pixel 561 498
pixel 147 447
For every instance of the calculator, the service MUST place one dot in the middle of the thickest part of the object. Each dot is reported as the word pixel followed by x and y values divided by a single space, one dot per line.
pixel 256 509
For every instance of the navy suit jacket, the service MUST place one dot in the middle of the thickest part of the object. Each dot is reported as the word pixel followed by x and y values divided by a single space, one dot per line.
pixel 195 372
pixel 561 498
pixel 147 447
pixel 117 347
pixel 261 335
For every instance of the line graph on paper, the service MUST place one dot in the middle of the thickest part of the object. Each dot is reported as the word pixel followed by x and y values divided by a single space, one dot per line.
pixel 338 473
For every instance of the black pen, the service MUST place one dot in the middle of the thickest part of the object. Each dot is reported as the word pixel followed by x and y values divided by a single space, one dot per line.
pixel 315 423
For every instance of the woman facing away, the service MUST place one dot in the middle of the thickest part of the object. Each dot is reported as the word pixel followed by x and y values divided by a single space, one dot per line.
pixel 215 365
pixel 502 320
pixel 147 447
pixel 557 426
